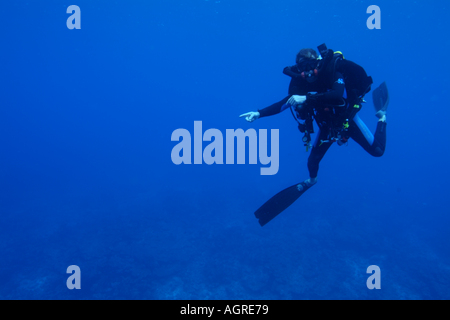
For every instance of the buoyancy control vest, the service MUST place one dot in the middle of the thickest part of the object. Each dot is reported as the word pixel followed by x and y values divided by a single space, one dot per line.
pixel 357 85
pixel 357 82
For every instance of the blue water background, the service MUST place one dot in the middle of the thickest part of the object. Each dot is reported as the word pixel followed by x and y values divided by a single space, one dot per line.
pixel 86 176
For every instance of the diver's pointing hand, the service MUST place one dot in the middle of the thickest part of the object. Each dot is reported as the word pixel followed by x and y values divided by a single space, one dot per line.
pixel 250 116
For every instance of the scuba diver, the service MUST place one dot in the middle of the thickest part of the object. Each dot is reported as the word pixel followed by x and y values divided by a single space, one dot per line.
pixel 330 90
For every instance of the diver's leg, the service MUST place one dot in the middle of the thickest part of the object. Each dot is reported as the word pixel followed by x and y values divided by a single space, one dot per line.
pixel 373 144
pixel 318 151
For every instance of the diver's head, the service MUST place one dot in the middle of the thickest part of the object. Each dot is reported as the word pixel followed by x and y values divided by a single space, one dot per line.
pixel 307 64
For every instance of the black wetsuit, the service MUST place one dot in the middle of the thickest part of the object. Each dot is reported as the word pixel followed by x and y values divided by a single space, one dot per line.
pixel 328 103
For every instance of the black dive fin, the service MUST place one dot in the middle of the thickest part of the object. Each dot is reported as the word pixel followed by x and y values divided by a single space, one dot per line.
pixel 381 97
pixel 278 203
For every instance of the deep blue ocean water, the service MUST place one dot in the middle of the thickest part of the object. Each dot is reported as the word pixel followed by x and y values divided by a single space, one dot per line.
pixel 86 176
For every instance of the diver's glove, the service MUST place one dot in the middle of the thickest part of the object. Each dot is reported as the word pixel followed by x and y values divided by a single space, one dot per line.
pixel 250 116
pixel 296 100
